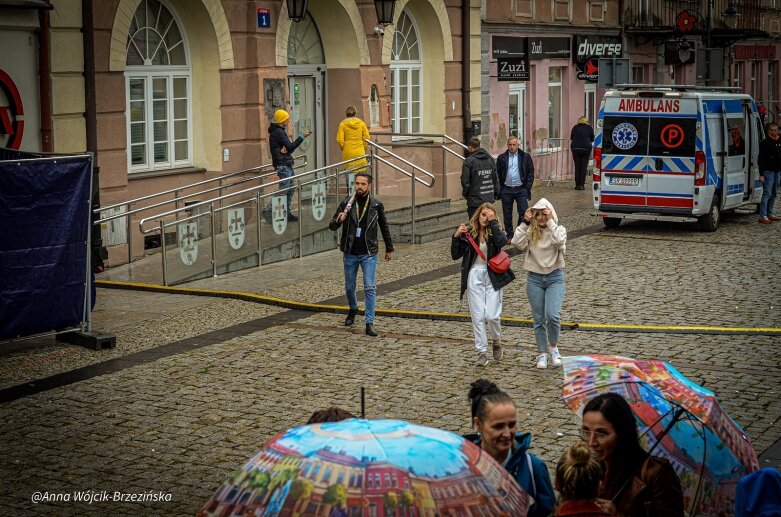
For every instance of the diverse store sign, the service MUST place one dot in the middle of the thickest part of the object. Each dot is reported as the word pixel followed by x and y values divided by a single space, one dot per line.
pixel 586 51
pixel 11 113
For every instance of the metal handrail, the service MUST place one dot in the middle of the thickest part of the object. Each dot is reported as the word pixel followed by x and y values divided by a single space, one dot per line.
pixel 373 145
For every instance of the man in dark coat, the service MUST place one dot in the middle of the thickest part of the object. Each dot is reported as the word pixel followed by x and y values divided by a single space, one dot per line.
pixel 479 182
pixel 516 176
pixel 282 157
pixel 769 173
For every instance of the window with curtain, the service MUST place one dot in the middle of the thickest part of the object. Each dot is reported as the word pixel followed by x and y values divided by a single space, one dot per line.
pixel 158 84
pixel 406 77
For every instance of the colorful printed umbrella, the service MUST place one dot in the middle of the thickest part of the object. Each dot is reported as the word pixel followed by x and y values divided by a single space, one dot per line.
pixel 677 419
pixel 369 468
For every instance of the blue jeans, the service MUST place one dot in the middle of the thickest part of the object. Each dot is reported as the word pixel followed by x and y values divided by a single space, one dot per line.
pixel 285 172
pixel 769 191
pixel 368 265
pixel 510 195
pixel 546 295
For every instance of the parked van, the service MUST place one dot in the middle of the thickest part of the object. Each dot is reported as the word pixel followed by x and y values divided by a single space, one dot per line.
pixel 675 153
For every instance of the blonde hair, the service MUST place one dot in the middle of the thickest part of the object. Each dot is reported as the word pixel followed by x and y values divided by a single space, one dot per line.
pixel 578 473
pixel 535 230
pixel 474 222
pixel 583 120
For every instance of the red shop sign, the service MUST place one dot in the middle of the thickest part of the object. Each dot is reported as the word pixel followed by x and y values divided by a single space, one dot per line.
pixel 745 52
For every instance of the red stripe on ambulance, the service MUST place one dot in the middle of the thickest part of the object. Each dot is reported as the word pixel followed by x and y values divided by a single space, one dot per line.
pixel 613 199
pixel 670 202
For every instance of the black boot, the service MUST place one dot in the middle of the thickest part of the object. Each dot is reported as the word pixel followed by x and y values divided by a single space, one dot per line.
pixel 370 330
pixel 350 319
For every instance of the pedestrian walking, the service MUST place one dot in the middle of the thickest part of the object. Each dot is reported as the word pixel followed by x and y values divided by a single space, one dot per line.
pixel 351 137
pixel 476 245
pixel 515 169
pixel 634 483
pixel 578 475
pixel 495 417
pixel 769 173
pixel 543 241
pixel 581 141
pixel 479 181
pixel 282 158
pixel 359 216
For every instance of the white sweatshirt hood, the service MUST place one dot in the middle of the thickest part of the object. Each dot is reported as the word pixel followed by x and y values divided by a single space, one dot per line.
pixel 544 203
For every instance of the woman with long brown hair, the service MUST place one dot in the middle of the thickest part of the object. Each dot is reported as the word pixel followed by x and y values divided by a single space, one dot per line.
pixel 485 287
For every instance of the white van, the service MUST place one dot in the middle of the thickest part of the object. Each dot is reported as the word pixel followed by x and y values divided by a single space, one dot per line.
pixel 675 153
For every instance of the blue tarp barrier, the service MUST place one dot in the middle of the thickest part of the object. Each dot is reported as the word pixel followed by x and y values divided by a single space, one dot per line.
pixel 44 225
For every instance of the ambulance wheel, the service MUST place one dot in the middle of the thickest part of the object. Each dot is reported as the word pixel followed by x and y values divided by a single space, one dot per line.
pixel 710 221
pixel 611 222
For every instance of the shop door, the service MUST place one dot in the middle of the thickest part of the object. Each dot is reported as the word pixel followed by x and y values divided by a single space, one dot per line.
pixel 307 114
pixel 518 113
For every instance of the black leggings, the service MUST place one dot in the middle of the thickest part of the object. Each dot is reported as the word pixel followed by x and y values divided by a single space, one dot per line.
pixel 580 157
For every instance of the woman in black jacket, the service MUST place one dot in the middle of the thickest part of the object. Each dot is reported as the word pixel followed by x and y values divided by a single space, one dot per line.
pixel 484 287
pixel 581 141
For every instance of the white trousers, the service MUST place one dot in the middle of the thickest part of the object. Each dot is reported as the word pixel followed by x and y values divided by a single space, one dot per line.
pixel 485 306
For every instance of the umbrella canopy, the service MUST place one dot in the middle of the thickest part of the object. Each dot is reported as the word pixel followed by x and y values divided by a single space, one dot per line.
pixel 677 419
pixel 358 468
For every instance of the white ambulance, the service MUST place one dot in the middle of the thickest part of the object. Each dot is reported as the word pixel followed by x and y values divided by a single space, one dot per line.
pixel 675 153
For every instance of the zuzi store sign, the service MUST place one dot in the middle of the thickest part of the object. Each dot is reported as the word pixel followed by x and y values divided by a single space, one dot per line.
pixel 586 51
pixel 513 54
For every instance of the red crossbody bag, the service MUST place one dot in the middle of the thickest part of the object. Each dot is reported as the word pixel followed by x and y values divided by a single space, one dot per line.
pixel 499 263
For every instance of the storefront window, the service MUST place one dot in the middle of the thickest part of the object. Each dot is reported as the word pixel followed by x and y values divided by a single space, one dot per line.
pixel 754 74
pixel 158 81
pixel 737 79
pixel 406 77
pixel 554 106
pixel 771 90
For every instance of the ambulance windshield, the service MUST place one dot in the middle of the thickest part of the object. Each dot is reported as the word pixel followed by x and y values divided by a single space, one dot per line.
pixel 651 136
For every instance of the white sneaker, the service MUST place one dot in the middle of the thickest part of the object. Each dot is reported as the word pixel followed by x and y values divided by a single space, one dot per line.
pixel 542 361
pixel 555 356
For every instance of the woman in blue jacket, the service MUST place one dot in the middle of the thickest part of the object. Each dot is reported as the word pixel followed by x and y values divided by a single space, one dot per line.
pixel 495 416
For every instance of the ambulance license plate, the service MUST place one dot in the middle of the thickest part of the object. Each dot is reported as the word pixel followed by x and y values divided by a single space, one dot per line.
pixel 630 182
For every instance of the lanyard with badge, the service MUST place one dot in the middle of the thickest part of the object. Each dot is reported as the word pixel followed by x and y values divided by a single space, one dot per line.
pixel 360 216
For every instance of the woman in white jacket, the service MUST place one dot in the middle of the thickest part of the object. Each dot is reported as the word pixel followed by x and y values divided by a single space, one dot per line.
pixel 543 241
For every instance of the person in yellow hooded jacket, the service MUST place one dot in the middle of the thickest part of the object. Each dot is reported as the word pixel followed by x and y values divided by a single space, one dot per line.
pixel 350 137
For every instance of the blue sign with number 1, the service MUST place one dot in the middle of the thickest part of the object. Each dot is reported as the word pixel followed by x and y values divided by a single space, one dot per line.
pixel 264 19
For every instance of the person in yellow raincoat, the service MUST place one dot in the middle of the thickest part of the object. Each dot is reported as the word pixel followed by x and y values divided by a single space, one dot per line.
pixel 350 137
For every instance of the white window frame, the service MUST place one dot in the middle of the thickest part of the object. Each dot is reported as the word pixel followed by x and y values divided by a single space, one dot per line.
pixel 601 5
pixel 737 80
pixel 753 79
pixel 772 82
pixel 408 66
pixel 554 84
pixel 148 74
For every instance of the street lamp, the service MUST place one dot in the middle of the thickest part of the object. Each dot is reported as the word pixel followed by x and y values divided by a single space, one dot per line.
pixel 384 10
pixel 684 50
pixel 296 10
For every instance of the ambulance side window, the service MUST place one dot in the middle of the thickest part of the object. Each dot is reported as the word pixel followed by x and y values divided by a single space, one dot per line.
pixel 672 137
pixel 625 135
pixel 737 140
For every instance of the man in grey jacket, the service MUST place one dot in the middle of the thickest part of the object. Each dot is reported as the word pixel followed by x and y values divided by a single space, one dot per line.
pixel 479 181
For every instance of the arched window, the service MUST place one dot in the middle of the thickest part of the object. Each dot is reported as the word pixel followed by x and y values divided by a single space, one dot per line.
pixel 158 85
pixel 406 76
pixel 304 46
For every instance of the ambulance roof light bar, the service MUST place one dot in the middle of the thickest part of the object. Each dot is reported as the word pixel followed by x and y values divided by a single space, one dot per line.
pixel 678 87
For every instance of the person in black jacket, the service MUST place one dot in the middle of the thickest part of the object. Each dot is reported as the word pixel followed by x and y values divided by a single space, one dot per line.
pixel 479 182
pixel 581 141
pixel 359 216
pixel 485 288
pixel 515 169
pixel 282 157
pixel 769 173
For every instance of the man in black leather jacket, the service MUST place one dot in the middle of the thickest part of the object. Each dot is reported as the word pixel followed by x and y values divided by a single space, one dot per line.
pixel 479 181
pixel 359 216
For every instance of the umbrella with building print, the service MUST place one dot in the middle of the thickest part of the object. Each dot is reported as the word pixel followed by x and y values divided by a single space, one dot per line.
pixel 362 468
pixel 677 419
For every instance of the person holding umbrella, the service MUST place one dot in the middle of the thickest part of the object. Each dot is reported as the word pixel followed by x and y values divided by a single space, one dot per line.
pixel 496 418
pixel 635 484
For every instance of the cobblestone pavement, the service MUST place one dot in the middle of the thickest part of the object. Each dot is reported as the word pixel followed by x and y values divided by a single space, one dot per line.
pixel 179 424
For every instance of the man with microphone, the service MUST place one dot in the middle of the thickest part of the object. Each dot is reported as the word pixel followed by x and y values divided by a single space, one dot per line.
pixel 359 216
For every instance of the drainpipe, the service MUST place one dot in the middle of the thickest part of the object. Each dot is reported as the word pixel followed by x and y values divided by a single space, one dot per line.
pixel 45 81
pixel 466 65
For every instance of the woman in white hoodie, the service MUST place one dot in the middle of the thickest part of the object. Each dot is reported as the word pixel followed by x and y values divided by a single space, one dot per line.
pixel 543 241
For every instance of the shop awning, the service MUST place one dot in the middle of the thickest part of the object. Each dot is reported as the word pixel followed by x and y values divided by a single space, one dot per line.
pixel 25 4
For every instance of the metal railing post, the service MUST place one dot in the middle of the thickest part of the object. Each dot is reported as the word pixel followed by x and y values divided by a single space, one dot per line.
pixel 444 171
pixel 129 234
pixel 214 240
pixel 300 225
pixel 258 218
pixel 413 205
pixel 162 245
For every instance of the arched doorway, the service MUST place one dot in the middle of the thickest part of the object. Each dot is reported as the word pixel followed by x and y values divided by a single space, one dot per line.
pixel 306 73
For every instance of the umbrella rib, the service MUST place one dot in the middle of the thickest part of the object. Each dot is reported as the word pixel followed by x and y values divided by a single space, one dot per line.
pixel 702 472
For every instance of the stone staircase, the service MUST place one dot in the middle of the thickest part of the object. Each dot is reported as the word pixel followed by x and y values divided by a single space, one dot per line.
pixel 434 220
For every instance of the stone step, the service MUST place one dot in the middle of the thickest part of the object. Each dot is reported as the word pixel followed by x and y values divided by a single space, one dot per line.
pixel 430 234
pixel 450 218
pixel 422 209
